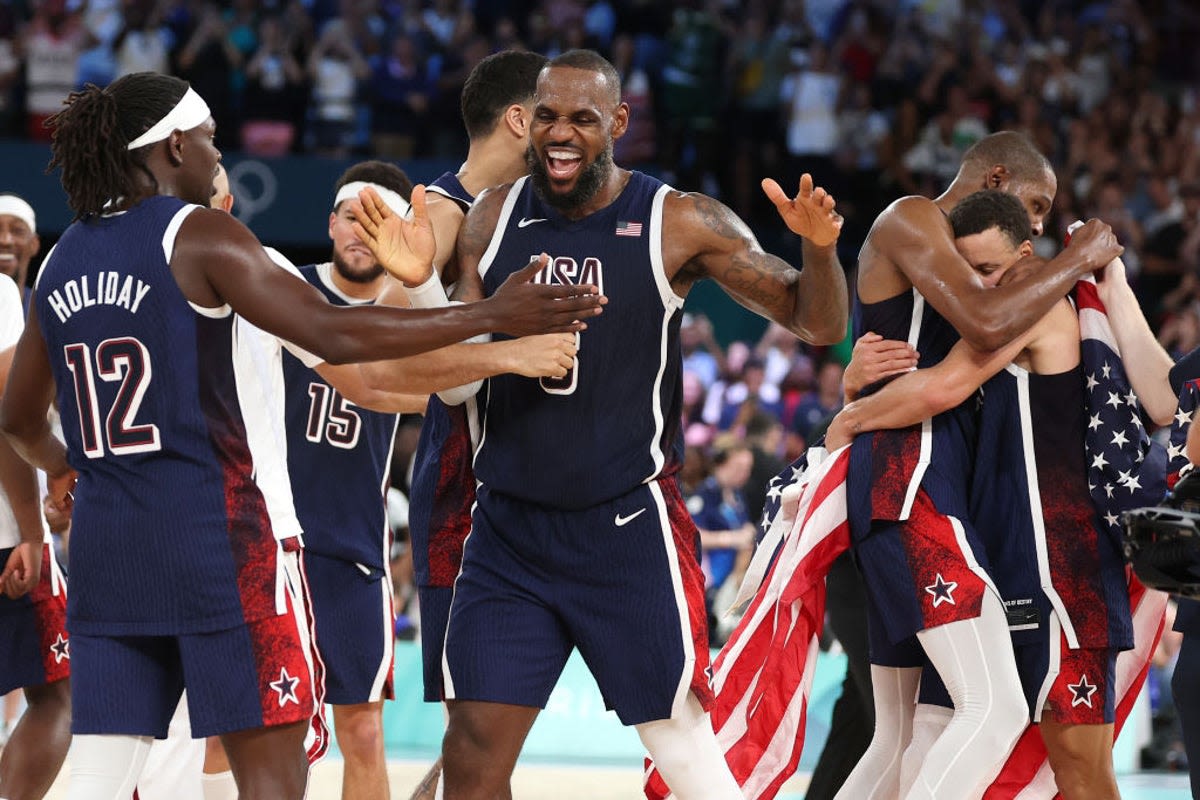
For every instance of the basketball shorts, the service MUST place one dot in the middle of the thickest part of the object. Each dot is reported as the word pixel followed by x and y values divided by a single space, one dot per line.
pixel 920 573
pixel 1070 687
pixel 435 613
pixel 255 675
pixel 36 648
pixel 352 606
pixel 621 581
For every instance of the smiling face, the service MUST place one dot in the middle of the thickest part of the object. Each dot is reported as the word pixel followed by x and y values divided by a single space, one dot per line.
pixel 18 244
pixel 576 117
pixel 352 259
pixel 991 253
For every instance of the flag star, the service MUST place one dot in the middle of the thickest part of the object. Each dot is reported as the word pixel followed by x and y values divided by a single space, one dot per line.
pixel 1183 417
pixel 1108 489
pixel 1098 461
pixel 942 590
pixel 1139 457
pixel 1120 439
pixel 285 687
pixel 1092 383
pixel 1136 420
pixel 1122 477
pixel 1113 400
pixel 1133 484
pixel 1111 518
pixel 774 491
pixel 1174 451
pixel 61 648
pixel 1106 370
pixel 1131 398
pixel 1082 692
pixel 796 473
pixel 1094 422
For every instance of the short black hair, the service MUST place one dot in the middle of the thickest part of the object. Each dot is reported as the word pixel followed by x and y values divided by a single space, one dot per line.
pixel 991 208
pixel 384 173
pixel 496 83
pixel 1014 150
pixel 593 62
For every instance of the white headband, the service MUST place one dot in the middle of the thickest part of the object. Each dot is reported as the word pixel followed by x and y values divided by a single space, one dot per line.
pixel 190 111
pixel 394 201
pixel 13 206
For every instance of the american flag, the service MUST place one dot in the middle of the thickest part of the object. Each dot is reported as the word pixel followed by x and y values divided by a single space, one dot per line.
pixel 763 675
pixel 626 228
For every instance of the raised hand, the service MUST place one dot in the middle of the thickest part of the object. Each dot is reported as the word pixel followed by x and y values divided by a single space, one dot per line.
pixel 403 247
pixel 810 213
pixel 548 355
pixel 873 359
pixel 522 308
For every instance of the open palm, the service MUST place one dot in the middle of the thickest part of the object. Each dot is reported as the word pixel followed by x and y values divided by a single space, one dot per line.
pixel 810 213
pixel 403 247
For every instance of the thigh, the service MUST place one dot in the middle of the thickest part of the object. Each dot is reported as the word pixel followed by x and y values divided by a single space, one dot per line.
pixel 352 610
pixel 124 684
pixel 639 618
pixel 260 674
pixel 504 642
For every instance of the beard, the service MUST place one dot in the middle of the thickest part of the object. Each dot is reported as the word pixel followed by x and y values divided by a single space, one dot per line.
pixel 590 179
pixel 364 276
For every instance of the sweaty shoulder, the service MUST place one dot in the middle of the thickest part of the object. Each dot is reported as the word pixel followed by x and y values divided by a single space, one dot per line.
pixel 901 239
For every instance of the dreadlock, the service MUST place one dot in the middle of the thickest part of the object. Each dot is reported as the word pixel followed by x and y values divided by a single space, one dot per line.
pixel 92 131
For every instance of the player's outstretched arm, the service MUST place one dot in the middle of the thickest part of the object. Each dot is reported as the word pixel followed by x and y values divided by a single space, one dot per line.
pixel 919 395
pixel 915 236
pixel 1146 362
pixel 217 260
pixel 710 241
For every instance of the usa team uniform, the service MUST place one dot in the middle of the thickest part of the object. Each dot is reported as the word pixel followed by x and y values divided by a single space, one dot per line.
pixel 443 491
pixel 176 570
pixel 920 556
pixel 37 649
pixel 580 537
pixel 1061 573
pixel 338 458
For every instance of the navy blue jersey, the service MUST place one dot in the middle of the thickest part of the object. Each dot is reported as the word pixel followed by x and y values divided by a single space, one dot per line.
pixel 1031 505
pixel 338 456
pixel 443 482
pixel 170 534
pixel 888 466
pixel 613 422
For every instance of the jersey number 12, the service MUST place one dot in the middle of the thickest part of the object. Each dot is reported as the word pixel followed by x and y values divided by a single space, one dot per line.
pixel 123 359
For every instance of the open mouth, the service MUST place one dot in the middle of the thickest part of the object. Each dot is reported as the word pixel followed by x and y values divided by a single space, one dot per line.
pixel 562 163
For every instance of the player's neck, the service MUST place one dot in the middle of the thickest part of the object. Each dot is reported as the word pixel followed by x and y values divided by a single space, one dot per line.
pixel 490 162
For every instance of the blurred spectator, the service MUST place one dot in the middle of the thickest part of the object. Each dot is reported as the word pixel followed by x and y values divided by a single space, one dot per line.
pixel 820 404
pixel 208 61
pixel 726 532
pixel 274 94
pixel 53 42
pixel 810 96
pixel 702 356
pixel 10 71
pixel 637 146
pixel 764 437
pixel 335 67
pixel 144 43
pixel 750 394
pixel 399 99
pixel 447 136
pixel 691 94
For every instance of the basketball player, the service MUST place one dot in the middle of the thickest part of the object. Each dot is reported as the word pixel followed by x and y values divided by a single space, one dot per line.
pixel 497 105
pixel 19 241
pixel 36 652
pixel 580 537
pixel 176 564
pixel 1069 612
pixel 907 489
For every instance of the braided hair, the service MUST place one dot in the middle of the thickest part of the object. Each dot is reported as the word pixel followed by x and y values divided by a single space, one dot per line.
pixel 91 133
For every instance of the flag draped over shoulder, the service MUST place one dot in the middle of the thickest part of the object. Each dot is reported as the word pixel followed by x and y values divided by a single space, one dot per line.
pixel 763 675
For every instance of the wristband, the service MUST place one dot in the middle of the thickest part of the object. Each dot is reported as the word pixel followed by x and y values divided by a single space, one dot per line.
pixel 429 294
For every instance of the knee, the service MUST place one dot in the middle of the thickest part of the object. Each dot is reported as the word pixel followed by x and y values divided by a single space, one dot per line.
pixel 361 736
pixel 50 697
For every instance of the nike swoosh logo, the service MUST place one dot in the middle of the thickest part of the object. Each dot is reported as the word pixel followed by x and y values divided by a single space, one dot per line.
pixel 623 521
pixel 524 221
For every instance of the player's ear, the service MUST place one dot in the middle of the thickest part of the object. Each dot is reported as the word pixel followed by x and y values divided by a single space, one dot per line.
pixel 175 147
pixel 332 219
pixel 516 117
pixel 620 121
pixel 998 177
pixel 1025 248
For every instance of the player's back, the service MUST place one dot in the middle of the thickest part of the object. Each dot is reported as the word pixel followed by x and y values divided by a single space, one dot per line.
pixel 443 482
pixel 888 466
pixel 338 456
pixel 168 526
pixel 613 422
pixel 1031 505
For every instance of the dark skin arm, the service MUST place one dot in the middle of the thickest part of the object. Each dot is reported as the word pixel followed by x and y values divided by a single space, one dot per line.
pixel 707 240
pixel 21 572
pixel 914 235
pixel 218 260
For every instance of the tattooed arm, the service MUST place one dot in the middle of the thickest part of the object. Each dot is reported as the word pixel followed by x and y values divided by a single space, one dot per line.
pixel 707 240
